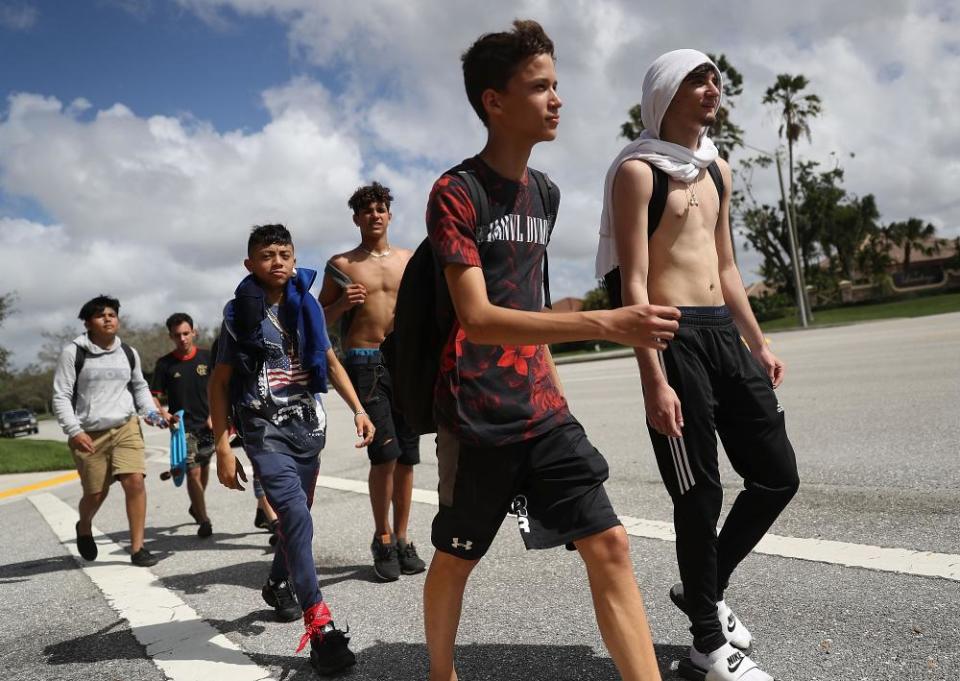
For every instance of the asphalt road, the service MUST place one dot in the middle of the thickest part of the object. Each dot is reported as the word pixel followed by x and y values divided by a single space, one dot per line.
pixel 871 411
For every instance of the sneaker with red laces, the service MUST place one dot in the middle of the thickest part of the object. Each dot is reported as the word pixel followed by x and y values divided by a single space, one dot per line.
pixel 329 646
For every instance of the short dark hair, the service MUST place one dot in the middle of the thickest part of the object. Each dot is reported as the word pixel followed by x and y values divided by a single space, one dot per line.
pixel 372 193
pixel 702 71
pixel 493 59
pixel 267 235
pixel 95 306
pixel 178 318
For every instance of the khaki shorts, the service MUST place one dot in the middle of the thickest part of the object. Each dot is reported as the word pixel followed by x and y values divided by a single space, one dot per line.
pixel 116 451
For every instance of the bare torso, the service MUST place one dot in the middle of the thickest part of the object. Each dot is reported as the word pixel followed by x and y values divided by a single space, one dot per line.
pixel 372 320
pixel 683 265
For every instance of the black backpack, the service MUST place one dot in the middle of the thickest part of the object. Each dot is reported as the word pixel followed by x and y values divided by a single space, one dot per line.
pixel 658 201
pixel 425 314
pixel 81 358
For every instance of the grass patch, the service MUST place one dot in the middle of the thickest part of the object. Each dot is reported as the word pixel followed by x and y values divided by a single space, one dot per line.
pixel 30 456
pixel 914 307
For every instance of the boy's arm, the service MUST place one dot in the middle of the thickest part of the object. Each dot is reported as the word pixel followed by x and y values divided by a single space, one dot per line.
pixel 341 383
pixel 451 228
pixel 336 300
pixel 218 394
pixel 64 383
pixel 489 324
pixel 734 293
pixel 632 189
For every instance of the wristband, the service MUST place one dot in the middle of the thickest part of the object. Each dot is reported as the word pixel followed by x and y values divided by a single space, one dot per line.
pixel 359 413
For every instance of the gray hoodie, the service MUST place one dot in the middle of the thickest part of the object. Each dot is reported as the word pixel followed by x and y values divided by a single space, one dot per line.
pixel 103 399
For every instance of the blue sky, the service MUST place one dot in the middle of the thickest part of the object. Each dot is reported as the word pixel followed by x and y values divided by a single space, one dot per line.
pixel 140 139
pixel 156 58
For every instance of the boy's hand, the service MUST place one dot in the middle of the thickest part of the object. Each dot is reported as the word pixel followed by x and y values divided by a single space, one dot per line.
pixel 663 410
pixel 230 470
pixel 643 326
pixel 81 441
pixel 365 429
pixel 354 294
pixel 172 419
pixel 775 369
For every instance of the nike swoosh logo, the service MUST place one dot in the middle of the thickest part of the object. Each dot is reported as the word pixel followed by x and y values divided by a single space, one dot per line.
pixel 734 667
pixel 731 623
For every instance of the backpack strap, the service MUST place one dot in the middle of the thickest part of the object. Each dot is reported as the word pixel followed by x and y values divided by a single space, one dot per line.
pixel 478 197
pixel 717 178
pixel 550 198
pixel 658 199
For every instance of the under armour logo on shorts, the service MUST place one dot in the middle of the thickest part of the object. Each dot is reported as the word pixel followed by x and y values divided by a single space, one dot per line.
pixel 466 545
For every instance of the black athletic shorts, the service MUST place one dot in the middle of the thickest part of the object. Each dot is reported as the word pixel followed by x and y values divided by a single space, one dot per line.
pixel 553 483
pixel 393 441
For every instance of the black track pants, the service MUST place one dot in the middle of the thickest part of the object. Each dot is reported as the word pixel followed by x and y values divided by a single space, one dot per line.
pixel 722 390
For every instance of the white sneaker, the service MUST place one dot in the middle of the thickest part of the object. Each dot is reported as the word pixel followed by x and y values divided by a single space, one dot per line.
pixel 733 629
pixel 737 634
pixel 724 664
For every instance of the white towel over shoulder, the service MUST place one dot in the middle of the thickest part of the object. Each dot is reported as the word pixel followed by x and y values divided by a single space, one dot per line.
pixel 660 84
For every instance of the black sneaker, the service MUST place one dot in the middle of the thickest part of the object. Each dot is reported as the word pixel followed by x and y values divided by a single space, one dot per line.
pixel 260 520
pixel 143 558
pixel 205 529
pixel 85 544
pixel 281 598
pixel 329 652
pixel 410 562
pixel 386 564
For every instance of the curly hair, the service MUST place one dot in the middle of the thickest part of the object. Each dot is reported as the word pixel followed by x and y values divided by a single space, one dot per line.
pixel 493 59
pixel 373 193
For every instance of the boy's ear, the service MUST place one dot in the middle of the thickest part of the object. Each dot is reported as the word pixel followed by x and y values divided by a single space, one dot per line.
pixel 356 219
pixel 248 264
pixel 491 101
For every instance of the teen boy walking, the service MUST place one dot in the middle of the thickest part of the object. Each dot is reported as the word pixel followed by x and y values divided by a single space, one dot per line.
pixel 273 359
pixel 98 389
pixel 181 376
pixel 708 380
pixel 360 288
pixel 505 432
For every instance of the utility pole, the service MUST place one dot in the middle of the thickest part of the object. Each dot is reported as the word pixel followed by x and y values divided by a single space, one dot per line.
pixel 803 306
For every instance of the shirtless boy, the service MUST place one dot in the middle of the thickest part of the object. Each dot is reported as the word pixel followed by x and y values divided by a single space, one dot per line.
pixel 360 289
pixel 709 380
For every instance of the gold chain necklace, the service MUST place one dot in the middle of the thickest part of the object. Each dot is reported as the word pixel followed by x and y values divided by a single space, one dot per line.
pixel 285 337
pixel 692 199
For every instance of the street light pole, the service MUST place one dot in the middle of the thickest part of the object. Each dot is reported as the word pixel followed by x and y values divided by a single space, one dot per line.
pixel 803 310
pixel 794 257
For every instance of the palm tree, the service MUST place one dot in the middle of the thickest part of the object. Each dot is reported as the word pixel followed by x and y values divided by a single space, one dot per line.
pixel 912 235
pixel 796 110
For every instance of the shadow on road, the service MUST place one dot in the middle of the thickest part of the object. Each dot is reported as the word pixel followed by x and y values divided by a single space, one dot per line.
pixel 328 575
pixel 380 662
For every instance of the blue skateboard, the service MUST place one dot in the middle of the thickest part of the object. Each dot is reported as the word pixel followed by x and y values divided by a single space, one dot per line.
pixel 178 451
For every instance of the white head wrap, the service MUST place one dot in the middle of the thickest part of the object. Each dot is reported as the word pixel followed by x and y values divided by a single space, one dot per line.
pixel 660 84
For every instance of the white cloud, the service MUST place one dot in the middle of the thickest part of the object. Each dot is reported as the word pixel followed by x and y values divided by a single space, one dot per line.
pixel 18 17
pixel 173 197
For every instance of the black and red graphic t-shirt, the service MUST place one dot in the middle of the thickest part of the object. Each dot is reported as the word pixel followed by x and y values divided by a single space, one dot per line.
pixel 493 394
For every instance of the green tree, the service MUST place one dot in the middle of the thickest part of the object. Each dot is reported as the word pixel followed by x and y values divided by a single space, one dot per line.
pixel 724 132
pixel 596 299
pixel 913 235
